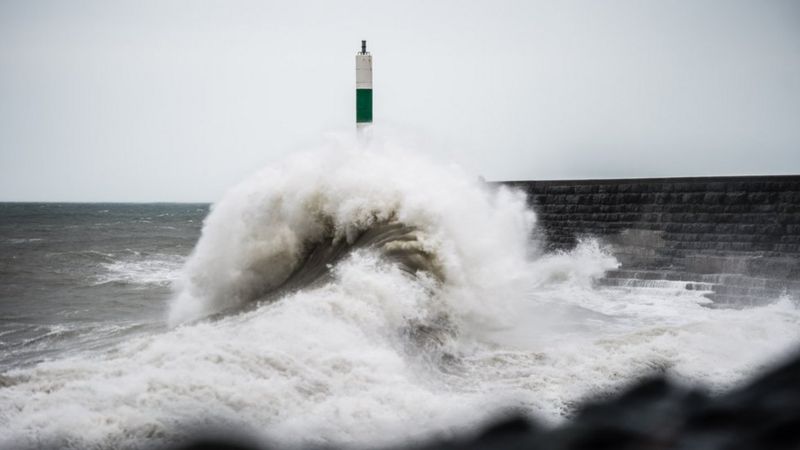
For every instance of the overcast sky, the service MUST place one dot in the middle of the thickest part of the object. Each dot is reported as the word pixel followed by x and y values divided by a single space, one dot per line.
pixel 176 101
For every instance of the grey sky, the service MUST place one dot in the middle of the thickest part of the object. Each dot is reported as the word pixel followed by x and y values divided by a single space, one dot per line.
pixel 176 101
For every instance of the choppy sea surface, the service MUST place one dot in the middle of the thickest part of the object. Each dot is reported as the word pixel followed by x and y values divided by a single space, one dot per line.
pixel 349 295
pixel 74 277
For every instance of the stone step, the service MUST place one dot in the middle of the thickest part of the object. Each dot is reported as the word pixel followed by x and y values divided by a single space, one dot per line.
pixel 656 284
pixel 737 301
pixel 723 289
pixel 727 279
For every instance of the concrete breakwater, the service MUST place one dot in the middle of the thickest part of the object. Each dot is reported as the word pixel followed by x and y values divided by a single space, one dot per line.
pixel 736 238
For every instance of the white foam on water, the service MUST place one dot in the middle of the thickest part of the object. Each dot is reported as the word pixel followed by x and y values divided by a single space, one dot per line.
pixel 351 360
pixel 17 241
pixel 159 269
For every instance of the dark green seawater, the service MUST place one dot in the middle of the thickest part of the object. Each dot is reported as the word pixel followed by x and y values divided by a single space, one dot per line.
pixel 75 277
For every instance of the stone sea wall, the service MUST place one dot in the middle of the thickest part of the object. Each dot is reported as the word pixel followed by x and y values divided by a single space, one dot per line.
pixel 737 238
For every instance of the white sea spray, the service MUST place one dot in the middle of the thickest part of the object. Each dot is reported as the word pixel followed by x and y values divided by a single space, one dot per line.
pixel 375 354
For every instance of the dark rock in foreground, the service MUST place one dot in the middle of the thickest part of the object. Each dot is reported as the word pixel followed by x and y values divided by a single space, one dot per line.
pixel 654 414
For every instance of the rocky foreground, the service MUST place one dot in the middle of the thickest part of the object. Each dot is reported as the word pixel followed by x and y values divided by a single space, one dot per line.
pixel 654 414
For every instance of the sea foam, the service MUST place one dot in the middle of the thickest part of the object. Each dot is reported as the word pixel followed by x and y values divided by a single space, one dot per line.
pixel 374 352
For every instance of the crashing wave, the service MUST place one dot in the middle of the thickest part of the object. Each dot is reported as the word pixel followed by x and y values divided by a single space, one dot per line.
pixel 286 227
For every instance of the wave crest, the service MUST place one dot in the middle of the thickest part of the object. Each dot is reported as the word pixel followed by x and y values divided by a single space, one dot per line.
pixel 286 226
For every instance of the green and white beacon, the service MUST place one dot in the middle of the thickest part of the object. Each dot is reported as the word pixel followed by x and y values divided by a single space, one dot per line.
pixel 363 87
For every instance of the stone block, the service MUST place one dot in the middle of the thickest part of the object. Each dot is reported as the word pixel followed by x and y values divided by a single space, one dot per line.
pixel 716 186
pixel 724 228
pixel 746 228
pixel 735 198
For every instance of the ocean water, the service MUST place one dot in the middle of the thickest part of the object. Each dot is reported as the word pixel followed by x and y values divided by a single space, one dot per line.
pixel 355 294
pixel 78 276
